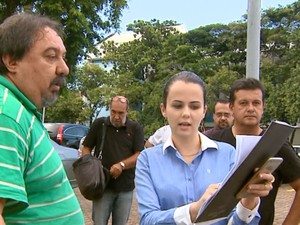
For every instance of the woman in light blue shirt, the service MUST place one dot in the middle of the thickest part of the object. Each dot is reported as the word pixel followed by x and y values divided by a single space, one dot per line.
pixel 175 178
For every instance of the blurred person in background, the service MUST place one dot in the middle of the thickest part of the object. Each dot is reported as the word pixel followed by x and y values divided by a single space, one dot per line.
pixel 222 116
pixel 159 136
pixel 123 142
pixel 247 101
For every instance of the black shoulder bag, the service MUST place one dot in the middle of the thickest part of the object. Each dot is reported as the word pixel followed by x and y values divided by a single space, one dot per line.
pixel 90 174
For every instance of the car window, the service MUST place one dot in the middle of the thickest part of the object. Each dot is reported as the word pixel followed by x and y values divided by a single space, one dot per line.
pixel 76 131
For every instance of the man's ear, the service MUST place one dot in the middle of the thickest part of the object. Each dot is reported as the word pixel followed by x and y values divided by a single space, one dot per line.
pixel 10 63
pixel 230 106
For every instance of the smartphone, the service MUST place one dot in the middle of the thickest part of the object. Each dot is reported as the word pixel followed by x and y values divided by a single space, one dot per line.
pixel 270 165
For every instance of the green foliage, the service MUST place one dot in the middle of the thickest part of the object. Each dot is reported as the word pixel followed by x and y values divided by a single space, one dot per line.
pixel 218 85
pixel 216 52
pixel 85 21
pixel 139 69
pixel 92 82
pixel 62 112
pixel 291 100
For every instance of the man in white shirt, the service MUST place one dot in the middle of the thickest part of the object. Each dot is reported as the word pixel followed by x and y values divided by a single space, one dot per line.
pixel 160 136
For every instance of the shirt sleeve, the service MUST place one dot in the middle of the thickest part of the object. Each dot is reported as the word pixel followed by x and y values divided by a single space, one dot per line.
pixel 289 170
pixel 245 214
pixel 148 203
pixel 14 151
pixel 182 215
pixel 241 215
pixel 91 138
pixel 138 138
pixel 156 138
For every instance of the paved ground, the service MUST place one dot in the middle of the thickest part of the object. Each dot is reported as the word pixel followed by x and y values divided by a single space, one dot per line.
pixel 283 201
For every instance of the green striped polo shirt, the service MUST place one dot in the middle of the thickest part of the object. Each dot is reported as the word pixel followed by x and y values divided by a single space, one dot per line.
pixel 32 177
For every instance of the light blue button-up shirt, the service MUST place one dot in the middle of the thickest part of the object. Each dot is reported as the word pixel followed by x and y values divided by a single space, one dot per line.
pixel 166 185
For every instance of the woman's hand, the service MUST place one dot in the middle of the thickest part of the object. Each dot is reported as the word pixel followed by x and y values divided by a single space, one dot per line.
pixel 195 207
pixel 259 188
pixel 262 186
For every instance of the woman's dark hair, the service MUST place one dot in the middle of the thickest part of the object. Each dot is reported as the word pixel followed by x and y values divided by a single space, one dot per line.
pixel 18 34
pixel 187 77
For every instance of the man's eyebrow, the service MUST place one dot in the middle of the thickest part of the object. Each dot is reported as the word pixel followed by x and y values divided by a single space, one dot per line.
pixel 55 49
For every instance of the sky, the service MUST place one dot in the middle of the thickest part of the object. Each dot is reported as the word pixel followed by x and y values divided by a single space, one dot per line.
pixel 191 13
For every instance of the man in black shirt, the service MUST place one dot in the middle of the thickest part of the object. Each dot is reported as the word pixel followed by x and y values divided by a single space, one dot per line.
pixel 123 142
pixel 247 105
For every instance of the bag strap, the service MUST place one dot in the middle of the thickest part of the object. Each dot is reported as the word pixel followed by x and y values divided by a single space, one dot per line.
pixel 102 140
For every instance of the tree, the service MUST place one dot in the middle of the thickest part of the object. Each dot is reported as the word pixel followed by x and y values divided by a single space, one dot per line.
pixel 83 100
pixel 93 83
pixel 141 67
pixel 138 70
pixel 279 61
pixel 292 97
pixel 85 21
pixel 218 86
pixel 67 108
pixel 218 45
pixel 217 52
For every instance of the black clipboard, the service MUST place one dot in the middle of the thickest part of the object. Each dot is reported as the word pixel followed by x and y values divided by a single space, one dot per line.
pixel 221 204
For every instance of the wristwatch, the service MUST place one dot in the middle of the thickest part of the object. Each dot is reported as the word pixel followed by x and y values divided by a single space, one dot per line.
pixel 123 165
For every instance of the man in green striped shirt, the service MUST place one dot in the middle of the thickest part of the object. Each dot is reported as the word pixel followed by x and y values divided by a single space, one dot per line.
pixel 34 188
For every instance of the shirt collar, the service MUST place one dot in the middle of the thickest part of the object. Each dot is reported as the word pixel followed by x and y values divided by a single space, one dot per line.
pixel 205 143
pixel 20 96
